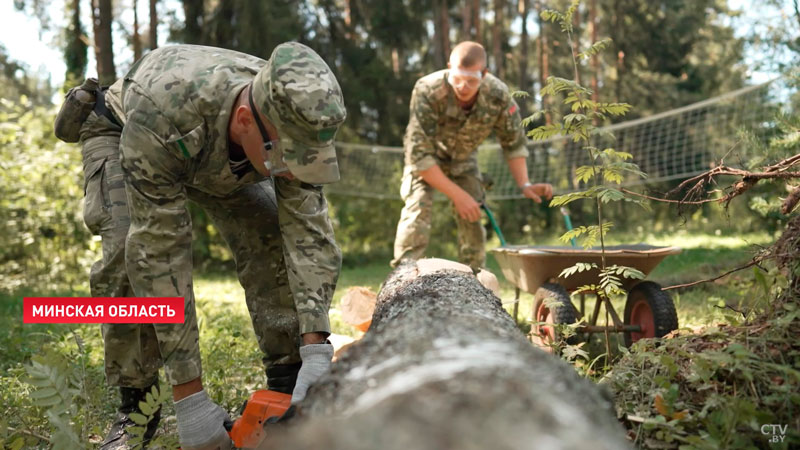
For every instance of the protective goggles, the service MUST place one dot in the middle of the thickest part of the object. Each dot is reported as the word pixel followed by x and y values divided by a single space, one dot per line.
pixel 458 77
pixel 271 151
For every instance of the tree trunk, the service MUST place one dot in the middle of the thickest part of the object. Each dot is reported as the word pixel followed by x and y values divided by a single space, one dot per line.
pixel 544 58
pixel 594 61
pixel 524 79
pixel 441 33
pixel 476 20
pixel 497 39
pixel 576 41
pixel 137 41
pixel 193 29
pixel 466 21
pixel 444 366
pixel 153 25
pixel 103 44
pixel 75 50
pixel 445 18
pixel 616 36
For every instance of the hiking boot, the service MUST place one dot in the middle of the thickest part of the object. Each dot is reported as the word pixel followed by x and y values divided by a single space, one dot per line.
pixel 118 437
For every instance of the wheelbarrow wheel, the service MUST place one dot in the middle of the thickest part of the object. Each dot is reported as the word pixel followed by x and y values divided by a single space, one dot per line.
pixel 543 333
pixel 652 309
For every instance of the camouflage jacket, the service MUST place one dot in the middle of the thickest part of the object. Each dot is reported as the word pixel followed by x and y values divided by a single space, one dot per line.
pixel 182 95
pixel 440 132
pixel 191 90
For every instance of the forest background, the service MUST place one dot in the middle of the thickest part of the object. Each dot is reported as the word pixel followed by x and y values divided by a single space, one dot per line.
pixel 663 55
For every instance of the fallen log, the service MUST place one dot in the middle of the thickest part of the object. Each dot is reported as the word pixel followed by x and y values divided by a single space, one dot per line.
pixel 444 366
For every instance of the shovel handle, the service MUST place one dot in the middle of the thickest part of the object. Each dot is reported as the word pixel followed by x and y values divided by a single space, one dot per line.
pixel 494 224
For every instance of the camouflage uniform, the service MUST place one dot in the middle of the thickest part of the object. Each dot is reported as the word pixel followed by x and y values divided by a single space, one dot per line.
pixel 177 102
pixel 132 358
pixel 441 133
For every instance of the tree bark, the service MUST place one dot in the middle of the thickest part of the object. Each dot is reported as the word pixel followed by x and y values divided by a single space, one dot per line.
pixel 75 50
pixel 137 40
pixel 441 33
pixel 153 25
pixel 544 58
pixel 576 41
pixel 476 20
pixel 445 18
pixel 466 21
pixel 103 44
pixel 497 39
pixel 444 366
pixel 524 78
pixel 595 60
pixel 193 29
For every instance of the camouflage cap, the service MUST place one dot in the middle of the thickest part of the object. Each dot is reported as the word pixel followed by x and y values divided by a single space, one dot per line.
pixel 299 94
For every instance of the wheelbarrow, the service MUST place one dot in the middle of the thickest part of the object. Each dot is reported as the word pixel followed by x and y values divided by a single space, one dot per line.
pixel 649 311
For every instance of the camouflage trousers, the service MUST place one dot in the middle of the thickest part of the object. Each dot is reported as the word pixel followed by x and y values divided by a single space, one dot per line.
pixel 414 227
pixel 132 358
pixel 247 220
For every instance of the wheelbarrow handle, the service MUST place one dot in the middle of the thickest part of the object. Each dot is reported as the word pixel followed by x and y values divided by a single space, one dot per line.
pixel 494 224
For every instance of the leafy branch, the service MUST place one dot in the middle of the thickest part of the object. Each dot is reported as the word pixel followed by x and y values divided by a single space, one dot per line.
pixel 606 167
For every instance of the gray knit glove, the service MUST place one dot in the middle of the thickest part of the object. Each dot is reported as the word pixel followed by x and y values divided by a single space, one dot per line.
pixel 200 423
pixel 316 363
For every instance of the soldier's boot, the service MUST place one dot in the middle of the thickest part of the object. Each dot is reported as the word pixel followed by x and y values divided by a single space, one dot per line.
pixel 118 437
pixel 282 377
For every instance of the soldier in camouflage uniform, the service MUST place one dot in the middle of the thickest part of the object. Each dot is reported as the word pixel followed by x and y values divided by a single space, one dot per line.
pixel 452 111
pixel 251 141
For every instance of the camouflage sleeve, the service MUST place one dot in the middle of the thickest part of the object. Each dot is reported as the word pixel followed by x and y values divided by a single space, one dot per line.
pixel 114 100
pixel 313 260
pixel 510 132
pixel 418 142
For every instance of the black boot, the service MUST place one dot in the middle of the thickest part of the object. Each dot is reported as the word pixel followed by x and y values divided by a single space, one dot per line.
pixel 282 377
pixel 118 437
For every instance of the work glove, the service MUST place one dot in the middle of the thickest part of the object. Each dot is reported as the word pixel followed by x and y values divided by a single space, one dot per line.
pixel 200 423
pixel 316 363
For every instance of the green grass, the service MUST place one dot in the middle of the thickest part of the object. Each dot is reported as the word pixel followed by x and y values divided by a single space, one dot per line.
pixel 232 361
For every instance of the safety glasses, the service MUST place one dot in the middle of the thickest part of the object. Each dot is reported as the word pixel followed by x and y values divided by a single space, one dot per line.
pixel 271 152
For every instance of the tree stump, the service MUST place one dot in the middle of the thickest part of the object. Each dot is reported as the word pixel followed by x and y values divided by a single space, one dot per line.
pixel 445 367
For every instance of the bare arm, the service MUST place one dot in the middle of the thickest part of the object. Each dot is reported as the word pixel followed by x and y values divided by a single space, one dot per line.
pixel 535 192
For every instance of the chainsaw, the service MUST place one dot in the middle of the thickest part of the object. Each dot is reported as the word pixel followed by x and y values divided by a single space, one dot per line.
pixel 263 407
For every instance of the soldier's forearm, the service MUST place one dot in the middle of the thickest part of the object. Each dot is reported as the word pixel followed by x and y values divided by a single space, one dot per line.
pixel 519 170
pixel 439 181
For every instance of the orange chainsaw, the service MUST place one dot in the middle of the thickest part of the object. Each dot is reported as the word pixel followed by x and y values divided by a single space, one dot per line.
pixel 247 432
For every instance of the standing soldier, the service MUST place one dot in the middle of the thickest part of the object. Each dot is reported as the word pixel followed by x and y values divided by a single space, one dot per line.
pixel 452 112
pixel 250 141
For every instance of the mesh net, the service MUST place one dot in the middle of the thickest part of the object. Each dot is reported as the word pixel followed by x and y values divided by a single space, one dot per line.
pixel 673 145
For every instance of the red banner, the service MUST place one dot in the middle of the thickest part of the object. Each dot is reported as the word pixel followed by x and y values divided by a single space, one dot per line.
pixel 102 310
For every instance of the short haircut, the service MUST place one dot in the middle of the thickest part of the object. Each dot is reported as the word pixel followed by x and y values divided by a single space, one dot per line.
pixel 468 54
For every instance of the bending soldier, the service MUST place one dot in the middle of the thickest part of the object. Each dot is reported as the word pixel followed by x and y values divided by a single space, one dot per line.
pixel 250 141
pixel 452 111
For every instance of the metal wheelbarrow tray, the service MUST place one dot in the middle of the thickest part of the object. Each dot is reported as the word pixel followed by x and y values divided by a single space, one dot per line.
pixel 649 311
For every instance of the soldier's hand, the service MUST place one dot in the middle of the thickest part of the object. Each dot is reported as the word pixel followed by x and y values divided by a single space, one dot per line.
pixel 538 191
pixel 467 208
pixel 201 423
